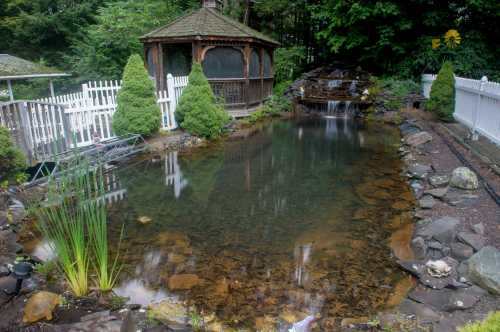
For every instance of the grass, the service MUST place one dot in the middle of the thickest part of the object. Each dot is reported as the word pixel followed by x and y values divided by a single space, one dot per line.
pixel 490 324
pixel 74 221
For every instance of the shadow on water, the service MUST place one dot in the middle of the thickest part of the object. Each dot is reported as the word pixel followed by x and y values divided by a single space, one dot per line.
pixel 295 220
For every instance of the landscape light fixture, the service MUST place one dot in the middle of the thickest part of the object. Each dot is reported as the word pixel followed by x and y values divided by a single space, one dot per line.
pixel 20 271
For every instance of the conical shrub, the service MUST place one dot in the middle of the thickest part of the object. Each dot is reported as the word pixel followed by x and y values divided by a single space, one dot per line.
pixel 198 111
pixel 137 111
pixel 442 96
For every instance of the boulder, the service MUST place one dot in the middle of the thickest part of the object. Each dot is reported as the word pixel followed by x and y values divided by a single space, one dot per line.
pixel 40 306
pixel 183 281
pixel 447 299
pixel 476 241
pixel 483 268
pixel 419 247
pixel 417 139
pixel 439 180
pixel 427 202
pixel 419 171
pixel 442 230
pixel 461 251
pixel 464 178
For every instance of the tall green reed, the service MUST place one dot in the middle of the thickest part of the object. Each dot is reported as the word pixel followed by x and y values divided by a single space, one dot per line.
pixel 74 219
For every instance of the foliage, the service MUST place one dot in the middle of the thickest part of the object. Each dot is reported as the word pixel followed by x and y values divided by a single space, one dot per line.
pixel 490 324
pixel 198 110
pixel 280 88
pixel 102 49
pixel 73 219
pixel 391 92
pixel 137 111
pixel 47 269
pixel 272 107
pixel 442 96
pixel 12 160
pixel 288 63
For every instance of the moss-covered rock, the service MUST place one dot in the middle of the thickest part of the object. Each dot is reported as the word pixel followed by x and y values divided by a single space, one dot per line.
pixel 137 111
pixel 442 97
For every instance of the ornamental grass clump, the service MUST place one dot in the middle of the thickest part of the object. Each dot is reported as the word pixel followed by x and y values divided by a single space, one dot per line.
pixel 73 220
pixel 442 96
pixel 490 324
pixel 12 160
pixel 137 111
pixel 198 111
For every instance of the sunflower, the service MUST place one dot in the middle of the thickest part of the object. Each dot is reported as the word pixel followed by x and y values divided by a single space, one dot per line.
pixel 436 42
pixel 452 38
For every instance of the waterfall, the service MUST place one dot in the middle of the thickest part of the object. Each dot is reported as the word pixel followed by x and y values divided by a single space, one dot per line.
pixel 352 88
pixel 332 84
pixel 341 109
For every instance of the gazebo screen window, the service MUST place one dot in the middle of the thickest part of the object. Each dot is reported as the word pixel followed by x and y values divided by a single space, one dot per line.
pixel 254 65
pixel 267 64
pixel 223 62
pixel 177 59
pixel 150 61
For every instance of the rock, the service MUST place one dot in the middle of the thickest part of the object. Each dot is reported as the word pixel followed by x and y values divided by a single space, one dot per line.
pixel 476 241
pixel 461 251
pixel 457 198
pixel 222 287
pixel 169 311
pixel 419 138
pixel 3 218
pixel 4 271
pixel 144 220
pixel 40 306
pixel 419 171
pixel 427 202
pixel 442 230
pixel 183 281
pixel 419 270
pixel 439 180
pixel 352 322
pixel 437 192
pixel 424 313
pixel 464 178
pixel 483 268
pixel 419 247
pixel 447 299
pixel 176 258
pixel 478 228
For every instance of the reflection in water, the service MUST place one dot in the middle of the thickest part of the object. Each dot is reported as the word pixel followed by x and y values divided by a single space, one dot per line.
pixel 43 251
pixel 269 229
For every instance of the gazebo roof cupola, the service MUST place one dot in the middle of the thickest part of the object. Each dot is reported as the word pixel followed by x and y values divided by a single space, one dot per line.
pixel 217 4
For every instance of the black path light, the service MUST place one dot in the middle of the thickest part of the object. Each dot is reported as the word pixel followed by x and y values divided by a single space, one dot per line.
pixel 20 270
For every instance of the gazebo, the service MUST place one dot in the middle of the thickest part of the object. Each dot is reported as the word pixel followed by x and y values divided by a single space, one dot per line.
pixel 14 68
pixel 237 60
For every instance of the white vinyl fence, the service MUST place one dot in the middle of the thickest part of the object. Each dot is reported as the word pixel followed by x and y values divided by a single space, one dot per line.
pixel 90 111
pixel 477 104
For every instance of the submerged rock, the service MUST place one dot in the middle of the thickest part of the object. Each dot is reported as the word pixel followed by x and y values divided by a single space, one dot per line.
pixel 437 192
pixel 476 241
pixel 427 202
pixel 183 281
pixel 169 311
pixel 464 178
pixel 40 306
pixel 461 251
pixel 484 269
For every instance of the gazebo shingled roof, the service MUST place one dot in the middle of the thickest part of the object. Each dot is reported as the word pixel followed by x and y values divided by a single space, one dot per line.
pixel 207 22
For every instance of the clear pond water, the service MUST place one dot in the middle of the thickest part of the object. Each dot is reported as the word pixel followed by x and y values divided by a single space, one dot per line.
pixel 297 219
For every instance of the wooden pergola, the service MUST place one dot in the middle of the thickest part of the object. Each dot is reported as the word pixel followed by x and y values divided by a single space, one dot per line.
pixel 237 60
pixel 13 68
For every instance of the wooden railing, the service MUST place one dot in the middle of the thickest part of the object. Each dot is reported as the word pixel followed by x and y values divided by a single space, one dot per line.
pixel 237 93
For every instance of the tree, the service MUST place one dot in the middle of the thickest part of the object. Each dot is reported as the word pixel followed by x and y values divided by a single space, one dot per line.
pixel 137 111
pixel 12 160
pixel 198 110
pixel 442 98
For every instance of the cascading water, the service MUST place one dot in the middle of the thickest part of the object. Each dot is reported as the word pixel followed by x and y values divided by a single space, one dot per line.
pixel 332 84
pixel 341 109
pixel 352 88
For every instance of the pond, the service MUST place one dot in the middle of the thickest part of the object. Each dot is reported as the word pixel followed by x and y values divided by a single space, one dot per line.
pixel 298 219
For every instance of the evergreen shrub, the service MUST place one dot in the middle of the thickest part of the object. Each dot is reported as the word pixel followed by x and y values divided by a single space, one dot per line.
pixel 137 111
pixel 12 160
pixel 442 96
pixel 198 110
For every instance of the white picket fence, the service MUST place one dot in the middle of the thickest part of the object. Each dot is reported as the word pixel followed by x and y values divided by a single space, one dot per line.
pixel 477 104
pixel 91 110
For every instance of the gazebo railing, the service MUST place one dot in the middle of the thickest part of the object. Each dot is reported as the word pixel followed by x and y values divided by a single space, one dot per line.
pixel 236 93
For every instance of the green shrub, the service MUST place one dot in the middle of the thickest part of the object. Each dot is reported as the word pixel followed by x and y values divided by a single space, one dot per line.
pixel 442 98
pixel 12 160
pixel 490 324
pixel 137 111
pixel 392 92
pixel 198 110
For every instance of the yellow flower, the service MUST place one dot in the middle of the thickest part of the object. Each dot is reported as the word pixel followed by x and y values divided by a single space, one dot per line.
pixel 436 42
pixel 452 38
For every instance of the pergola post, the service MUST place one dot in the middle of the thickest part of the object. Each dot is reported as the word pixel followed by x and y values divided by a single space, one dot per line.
pixel 160 67
pixel 11 94
pixel 51 87
pixel 246 69
pixel 156 62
